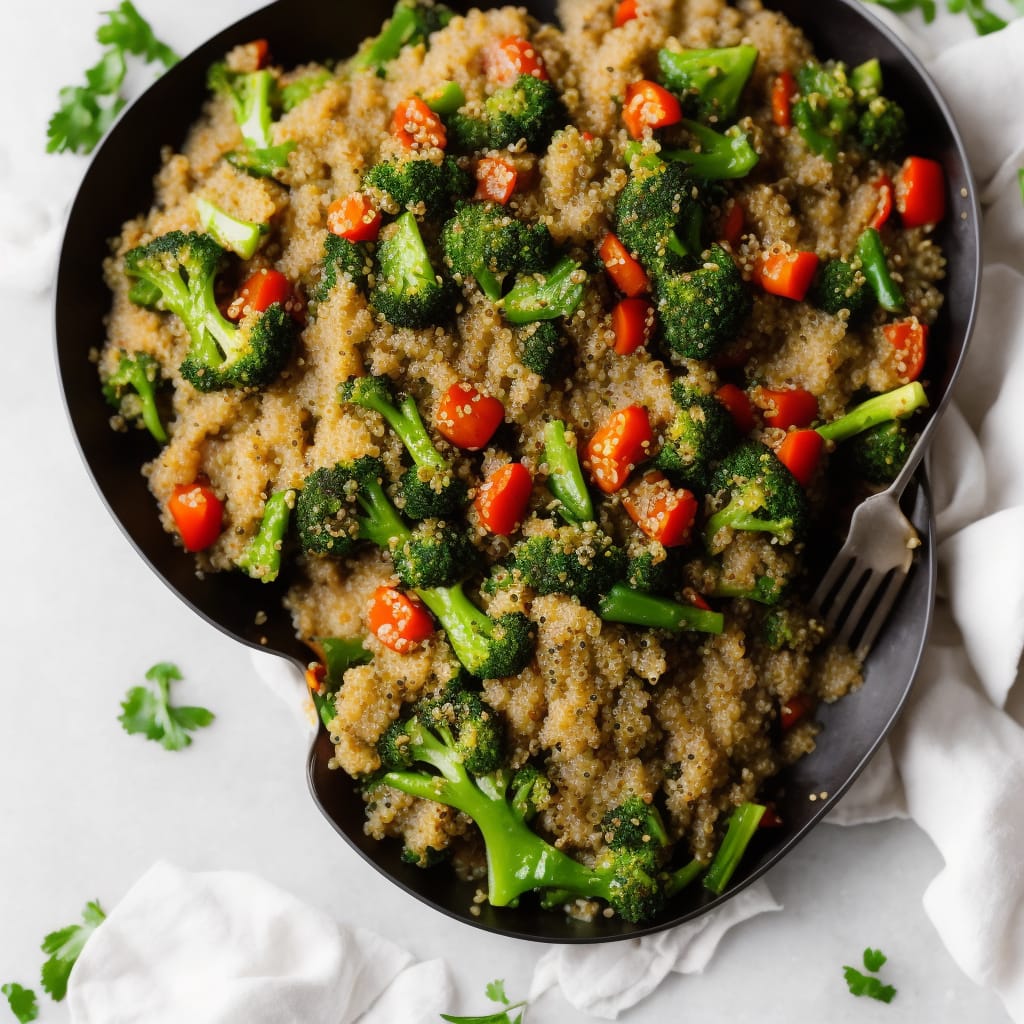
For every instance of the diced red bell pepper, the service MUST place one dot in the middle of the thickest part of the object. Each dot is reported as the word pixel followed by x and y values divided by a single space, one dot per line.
pixel 921 192
pixel 468 418
pixel 619 447
pixel 649 106
pixel 503 499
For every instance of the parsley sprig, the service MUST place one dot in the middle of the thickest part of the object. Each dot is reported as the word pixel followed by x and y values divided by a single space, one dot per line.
pixel 495 991
pixel 148 710
pixel 22 1001
pixel 65 947
pixel 861 984
pixel 87 111
pixel 982 18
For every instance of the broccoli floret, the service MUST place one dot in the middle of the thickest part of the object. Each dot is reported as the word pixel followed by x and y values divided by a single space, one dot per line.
pixel 253 95
pixel 702 311
pixel 262 556
pixel 701 433
pixel 144 294
pixel 565 476
pixel 528 109
pixel 878 454
pixel 221 355
pixel 300 89
pixel 436 554
pixel 419 180
pixel 541 347
pixel 548 296
pixel 242 237
pixel 658 217
pixel 411 22
pixel 337 654
pixel 429 489
pixel 762 496
pixel 485 242
pixel 893 405
pixel 768 590
pixel 709 82
pixel 634 608
pixel 408 291
pixel 341 258
pixel 840 285
pixel 824 111
pixel 345 504
pixel 715 156
pixel 459 738
pixel 428 857
pixel 653 571
pixel 131 389
pixel 882 128
pixel 530 792
pixel 866 80
pixel 581 562
pixel 786 628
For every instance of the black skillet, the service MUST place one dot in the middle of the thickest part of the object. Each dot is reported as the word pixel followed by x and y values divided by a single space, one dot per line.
pixel 118 184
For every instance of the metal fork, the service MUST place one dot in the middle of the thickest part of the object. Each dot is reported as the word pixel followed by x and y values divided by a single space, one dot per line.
pixel 858 591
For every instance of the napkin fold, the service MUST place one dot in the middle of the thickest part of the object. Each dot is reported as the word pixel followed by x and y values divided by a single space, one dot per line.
pixel 225 947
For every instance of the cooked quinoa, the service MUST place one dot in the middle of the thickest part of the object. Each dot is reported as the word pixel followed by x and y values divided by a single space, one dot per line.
pixel 687 720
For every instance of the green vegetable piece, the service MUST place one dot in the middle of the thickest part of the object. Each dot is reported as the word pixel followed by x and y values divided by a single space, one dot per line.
pixel 896 404
pixel 635 608
pixel 984 20
pixel 824 111
pixel 340 654
pixel 300 90
pixel 715 156
pixel 565 476
pixel 262 556
pixel 581 562
pixel 874 959
pixel 882 128
pixel 878 454
pixel 64 948
pixel 147 710
pixel 926 7
pixel 495 991
pixel 241 237
pixel 866 80
pixel 445 99
pixel 557 293
pixel 683 878
pixel 131 390
pixel 261 163
pixel 411 22
pixel 741 829
pixel 127 30
pixel 146 294
pixel 1020 181
pixel 867 985
pixel 836 287
pixel 876 270
pixel 22 1001
pixel 709 81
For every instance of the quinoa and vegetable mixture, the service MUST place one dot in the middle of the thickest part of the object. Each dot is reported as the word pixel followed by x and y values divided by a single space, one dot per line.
pixel 532 358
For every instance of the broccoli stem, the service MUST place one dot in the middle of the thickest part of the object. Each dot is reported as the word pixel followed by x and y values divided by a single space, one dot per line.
pixel 546 297
pixel 742 827
pixel 339 654
pixel 139 373
pixel 382 524
pixel 468 628
pixel 679 880
pixel 242 237
pixel 565 476
pixel 398 30
pixel 718 157
pixel 631 607
pixel 893 405
pixel 876 270
pixel 406 422
pixel 446 98
pixel 866 80
pixel 262 556
pixel 741 514
pixel 253 112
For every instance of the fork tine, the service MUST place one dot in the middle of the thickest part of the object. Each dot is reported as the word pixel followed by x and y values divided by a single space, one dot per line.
pixel 836 571
pixel 881 613
pixel 845 592
pixel 854 617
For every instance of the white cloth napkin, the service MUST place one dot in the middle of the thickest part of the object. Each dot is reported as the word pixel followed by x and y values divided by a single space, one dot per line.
pixel 226 947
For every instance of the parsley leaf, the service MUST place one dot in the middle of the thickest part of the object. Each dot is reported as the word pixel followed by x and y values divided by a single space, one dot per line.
pixel 22 1001
pixel 147 710
pixel 64 948
pixel 87 111
pixel 873 960
pixel 983 20
pixel 495 991
pixel 867 985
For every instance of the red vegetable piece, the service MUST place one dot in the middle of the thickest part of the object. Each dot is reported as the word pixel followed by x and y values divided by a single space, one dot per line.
pixel 787 273
pixel 737 401
pixel 909 340
pixel 628 275
pixel 399 620
pixel 792 407
pixel 495 180
pixel 416 126
pixel 732 225
pixel 795 710
pixel 198 514
pixel 883 209
pixel 618 447
pixel 468 418
pixel 509 58
pixel 354 217
pixel 660 511
pixel 800 452
pixel 921 192
pixel 783 90
pixel 649 106
pixel 503 498
pixel 625 13
pixel 632 322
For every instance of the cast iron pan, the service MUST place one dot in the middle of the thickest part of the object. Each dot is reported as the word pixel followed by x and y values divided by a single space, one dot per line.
pixel 118 184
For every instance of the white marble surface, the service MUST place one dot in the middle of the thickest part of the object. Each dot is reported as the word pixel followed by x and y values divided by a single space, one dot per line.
pixel 85 809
